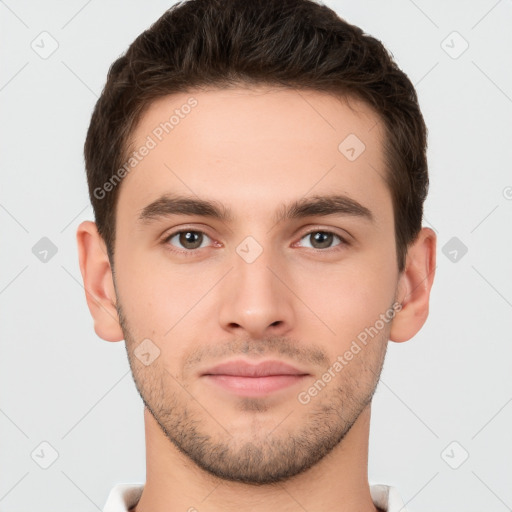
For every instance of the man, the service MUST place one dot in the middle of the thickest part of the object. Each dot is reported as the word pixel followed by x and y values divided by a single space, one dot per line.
pixel 258 172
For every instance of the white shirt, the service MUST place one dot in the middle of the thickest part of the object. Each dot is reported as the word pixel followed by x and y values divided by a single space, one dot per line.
pixel 124 496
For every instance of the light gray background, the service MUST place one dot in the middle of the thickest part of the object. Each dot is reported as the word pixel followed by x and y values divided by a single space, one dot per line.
pixel 61 384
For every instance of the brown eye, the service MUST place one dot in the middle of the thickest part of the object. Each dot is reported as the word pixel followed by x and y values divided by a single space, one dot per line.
pixel 188 239
pixel 323 239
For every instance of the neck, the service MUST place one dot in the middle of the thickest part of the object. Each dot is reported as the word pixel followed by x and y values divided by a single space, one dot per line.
pixel 339 482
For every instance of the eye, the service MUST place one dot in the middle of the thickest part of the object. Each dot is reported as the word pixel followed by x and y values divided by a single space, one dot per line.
pixel 192 239
pixel 189 239
pixel 323 239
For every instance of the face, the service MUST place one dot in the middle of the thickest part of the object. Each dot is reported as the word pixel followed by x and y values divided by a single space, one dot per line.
pixel 300 268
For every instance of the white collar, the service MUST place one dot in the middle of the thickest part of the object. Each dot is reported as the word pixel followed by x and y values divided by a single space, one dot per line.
pixel 123 497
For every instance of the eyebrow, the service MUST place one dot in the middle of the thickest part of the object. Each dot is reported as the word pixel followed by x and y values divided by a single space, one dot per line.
pixel 318 205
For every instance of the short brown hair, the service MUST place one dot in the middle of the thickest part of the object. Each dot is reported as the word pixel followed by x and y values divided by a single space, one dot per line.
pixel 297 44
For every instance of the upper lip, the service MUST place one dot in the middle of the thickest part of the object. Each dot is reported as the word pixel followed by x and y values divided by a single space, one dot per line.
pixel 245 369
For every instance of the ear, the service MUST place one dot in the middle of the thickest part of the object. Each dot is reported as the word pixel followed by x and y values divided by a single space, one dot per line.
pixel 414 287
pixel 98 282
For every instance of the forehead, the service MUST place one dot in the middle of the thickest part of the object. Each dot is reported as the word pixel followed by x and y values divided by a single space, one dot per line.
pixel 256 148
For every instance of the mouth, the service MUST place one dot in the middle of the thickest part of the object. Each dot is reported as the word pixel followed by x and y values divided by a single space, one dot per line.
pixel 245 379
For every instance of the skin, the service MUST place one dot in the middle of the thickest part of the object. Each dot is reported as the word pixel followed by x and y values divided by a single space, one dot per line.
pixel 299 301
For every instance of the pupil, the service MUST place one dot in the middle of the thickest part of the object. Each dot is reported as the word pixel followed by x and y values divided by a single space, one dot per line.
pixel 189 237
pixel 326 236
pixel 320 237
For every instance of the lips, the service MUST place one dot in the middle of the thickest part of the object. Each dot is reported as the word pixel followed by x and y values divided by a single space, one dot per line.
pixel 242 368
pixel 253 380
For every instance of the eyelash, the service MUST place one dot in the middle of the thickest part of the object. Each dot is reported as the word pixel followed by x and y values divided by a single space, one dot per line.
pixel 193 252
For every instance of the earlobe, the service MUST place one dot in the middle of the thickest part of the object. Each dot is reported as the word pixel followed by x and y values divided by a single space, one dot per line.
pixel 98 282
pixel 414 287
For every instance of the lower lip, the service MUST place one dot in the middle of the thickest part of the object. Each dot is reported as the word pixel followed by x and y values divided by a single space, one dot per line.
pixel 254 386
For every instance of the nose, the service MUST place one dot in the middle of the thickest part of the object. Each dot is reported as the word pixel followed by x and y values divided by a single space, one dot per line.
pixel 255 298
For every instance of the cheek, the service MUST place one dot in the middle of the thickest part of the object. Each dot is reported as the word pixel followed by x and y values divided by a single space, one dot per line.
pixel 350 297
pixel 157 295
pixel 146 296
